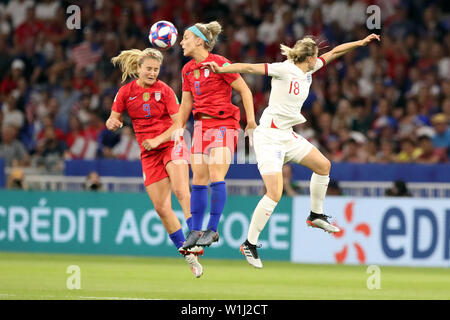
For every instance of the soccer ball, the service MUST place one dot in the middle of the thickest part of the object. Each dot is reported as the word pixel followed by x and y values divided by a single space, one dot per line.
pixel 163 34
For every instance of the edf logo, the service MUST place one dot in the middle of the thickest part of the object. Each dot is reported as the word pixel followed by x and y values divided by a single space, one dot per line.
pixel 424 244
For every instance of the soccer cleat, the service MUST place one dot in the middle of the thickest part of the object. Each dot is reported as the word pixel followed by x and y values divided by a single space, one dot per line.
pixel 250 253
pixel 196 267
pixel 198 251
pixel 207 238
pixel 191 239
pixel 321 221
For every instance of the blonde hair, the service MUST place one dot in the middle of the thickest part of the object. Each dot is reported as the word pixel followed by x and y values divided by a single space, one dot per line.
pixel 211 31
pixel 302 49
pixel 130 60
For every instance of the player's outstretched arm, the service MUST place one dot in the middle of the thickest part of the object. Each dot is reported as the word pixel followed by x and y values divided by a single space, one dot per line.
pixel 185 108
pixel 254 68
pixel 342 49
pixel 247 99
pixel 114 121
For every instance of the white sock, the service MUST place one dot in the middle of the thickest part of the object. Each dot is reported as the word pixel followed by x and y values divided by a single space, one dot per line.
pixel 318 189
pixel 261 215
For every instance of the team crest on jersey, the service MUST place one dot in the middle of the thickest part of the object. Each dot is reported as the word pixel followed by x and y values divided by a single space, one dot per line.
pixel 157 96
pixel 206 73
pixel 309 77
pixel 197 74
pixel 146 96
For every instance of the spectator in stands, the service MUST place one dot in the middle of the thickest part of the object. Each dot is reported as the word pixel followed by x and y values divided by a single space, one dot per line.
pixel 398 189
pixel 66 97
pixel 361 120
pixel 58 65
pixel 408 151
pixel 75 131
pixel 343 116
pixel 29 28
pixel 11 149
pixel 47 122
pixel 93 182
pixel 50 152
pixel 269 33
pixel 17 11
pixel 386 153
pixel 371 149
pixel 107 140
pixel 12 116
pixel 446 104
pixel 428 154
pixel 127 148
pixel 410 120
pixel 441 138
pixel 16 180
pixel 6 57
pixel 35 63
pixel 334 189
pixel 352 152
pixel 324 128
pixel 10 81
pixel 333 149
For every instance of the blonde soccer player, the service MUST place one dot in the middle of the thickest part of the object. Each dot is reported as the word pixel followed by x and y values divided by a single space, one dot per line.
pixel 153 107
pixel 276 143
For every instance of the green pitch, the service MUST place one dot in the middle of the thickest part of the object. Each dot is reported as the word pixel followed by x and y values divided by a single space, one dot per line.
pixel 44 276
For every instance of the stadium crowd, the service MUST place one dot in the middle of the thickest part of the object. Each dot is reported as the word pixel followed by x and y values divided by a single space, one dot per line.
pixel 387 102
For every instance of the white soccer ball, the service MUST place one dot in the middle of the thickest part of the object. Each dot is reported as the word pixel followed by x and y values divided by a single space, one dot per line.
pixel 163 34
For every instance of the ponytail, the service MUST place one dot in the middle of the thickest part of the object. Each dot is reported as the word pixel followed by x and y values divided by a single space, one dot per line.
pixel 211 31
pixel 129 61
pixel 302 49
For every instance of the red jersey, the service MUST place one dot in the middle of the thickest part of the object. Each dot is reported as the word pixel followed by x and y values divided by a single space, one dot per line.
pixel 149 109
pixel 211 92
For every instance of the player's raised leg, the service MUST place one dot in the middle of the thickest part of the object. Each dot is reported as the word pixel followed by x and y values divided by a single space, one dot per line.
pixel 320 166
pixel 199 197
pixel 263 211
pixel 159 193
pixel 219 163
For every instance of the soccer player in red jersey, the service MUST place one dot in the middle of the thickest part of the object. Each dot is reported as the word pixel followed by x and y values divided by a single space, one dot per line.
pixel 208 96
pixel 152 106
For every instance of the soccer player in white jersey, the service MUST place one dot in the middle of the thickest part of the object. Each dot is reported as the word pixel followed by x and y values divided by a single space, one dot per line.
pixel 275 141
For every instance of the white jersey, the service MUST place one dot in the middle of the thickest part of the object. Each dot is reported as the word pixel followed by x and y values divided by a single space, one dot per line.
pixel 290 88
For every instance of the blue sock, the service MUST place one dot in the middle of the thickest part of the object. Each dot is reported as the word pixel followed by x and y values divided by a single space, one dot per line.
pixel 177 238
pixel 199 202
pixel 189 223
pixel 218 199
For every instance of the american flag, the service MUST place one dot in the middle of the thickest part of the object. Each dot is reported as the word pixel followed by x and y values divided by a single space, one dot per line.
pixel 84 55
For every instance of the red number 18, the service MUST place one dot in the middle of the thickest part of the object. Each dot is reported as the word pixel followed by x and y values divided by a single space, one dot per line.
pixel 296 86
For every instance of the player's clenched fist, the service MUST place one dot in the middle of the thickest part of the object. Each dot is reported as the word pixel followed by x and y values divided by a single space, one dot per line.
pixel 150 144
pixel 113 124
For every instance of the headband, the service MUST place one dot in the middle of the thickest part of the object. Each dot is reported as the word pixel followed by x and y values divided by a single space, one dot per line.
pixel 198 33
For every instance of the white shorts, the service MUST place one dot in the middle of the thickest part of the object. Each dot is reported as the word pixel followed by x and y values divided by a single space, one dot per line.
pixel 275 147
